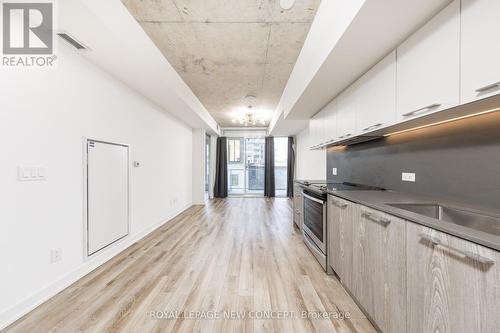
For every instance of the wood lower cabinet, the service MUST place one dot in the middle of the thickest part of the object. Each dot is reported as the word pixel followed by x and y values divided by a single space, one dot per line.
pixel 379 268
pixel 298 205
pixel 453 284
pixel 341 214
pixel 410 278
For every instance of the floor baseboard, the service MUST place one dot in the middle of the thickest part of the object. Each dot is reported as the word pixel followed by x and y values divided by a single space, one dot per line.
pixel 22 308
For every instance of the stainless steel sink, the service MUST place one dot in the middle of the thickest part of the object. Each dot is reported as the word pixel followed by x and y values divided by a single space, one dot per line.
pixel 466 218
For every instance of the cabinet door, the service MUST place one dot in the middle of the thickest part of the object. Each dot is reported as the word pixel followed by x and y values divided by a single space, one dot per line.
pixel 313 132
pixel 297 206
pixel 428 66
pixel 331 122
pixel 451 287
pixel 322 126
pixel 379 268
pixel 340 215
pixel 376 106
pixel 346 113
pixel 480 63
pixel 317 129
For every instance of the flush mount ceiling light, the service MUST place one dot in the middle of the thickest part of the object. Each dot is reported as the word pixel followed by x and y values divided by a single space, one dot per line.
pixel 287 4
pixel 249 118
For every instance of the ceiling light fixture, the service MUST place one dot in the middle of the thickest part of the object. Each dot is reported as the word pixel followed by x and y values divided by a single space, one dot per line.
pixel 249 118
pixel 287 4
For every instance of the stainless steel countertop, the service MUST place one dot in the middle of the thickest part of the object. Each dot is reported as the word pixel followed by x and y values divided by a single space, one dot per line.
pixel 378 200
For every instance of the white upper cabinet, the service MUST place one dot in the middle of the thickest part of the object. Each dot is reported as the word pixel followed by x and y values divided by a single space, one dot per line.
pixel 313 132
pixel 480 47
pixel 428 66
pixel 331 121
pixel 317 128
pixel 322 126
pixel 346 113
pixel 376 104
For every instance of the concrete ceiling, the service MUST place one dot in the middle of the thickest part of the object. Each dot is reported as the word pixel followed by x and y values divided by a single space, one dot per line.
pixel 231 53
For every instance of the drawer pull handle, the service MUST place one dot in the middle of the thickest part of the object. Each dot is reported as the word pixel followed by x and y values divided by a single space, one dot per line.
pixel 478 257
pixel 339 204
pixel 369 128
pixel 377 219
pixel 471 255
pixel 492 86
pixel 345 136
pixel 422 110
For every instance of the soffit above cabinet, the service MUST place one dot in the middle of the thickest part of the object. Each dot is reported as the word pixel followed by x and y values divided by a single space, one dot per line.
pixel 375 29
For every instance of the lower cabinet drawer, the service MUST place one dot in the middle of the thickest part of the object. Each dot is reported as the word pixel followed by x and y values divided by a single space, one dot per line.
pixel 453 284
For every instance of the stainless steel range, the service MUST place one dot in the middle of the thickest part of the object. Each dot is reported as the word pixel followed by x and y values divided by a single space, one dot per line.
pixel 315 222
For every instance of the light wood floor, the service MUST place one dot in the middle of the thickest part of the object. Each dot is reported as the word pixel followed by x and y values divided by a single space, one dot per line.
pixel 237 254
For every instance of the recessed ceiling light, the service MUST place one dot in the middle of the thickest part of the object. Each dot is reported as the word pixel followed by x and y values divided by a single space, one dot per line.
pixel 287 4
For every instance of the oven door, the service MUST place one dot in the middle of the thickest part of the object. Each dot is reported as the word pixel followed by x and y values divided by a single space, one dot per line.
pixel 315 221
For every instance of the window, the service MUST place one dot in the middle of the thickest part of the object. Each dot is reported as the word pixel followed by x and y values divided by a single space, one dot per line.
pixel 234 150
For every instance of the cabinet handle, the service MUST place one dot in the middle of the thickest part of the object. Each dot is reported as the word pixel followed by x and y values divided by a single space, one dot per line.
pixel 339 204
pixel 422 110
pixel 377 219
pixel 471 255
pixel 345 136
pixel 492 86
pixel 369 128
pixel 433 239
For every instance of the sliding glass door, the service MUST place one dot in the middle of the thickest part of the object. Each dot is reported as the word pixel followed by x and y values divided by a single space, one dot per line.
pixel 245 165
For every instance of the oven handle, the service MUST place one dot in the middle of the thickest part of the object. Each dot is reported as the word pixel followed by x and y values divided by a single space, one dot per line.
pixel 313 199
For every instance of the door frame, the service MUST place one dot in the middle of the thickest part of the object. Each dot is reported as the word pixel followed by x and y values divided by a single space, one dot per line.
pixel 85 141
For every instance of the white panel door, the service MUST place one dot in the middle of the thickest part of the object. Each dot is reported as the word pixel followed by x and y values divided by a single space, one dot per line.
pixel 428 66
pixel 107 194
pixel 480 61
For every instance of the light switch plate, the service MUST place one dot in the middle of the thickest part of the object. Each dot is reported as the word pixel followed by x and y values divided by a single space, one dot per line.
pixel 30 173
pixel 334 171
pixel 408 177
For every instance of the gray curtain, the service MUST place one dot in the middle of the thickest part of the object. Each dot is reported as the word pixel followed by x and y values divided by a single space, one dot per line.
pixel 269 188
pixel 220 186
pixel 290 167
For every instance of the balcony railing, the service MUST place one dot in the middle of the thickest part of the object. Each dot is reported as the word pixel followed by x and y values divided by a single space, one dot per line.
pixel 255 179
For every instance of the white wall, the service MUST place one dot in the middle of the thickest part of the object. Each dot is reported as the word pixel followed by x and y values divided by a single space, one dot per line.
pixel 44 114
pixel 310 164
pixel 199 139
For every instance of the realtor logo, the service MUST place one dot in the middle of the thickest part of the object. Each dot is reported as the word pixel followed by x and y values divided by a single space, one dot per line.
pixel 27 28
pixel 28 34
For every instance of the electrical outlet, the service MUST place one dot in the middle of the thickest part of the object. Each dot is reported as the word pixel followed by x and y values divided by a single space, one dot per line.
pixel 55 255
pixel 334 171
pixel 408 177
